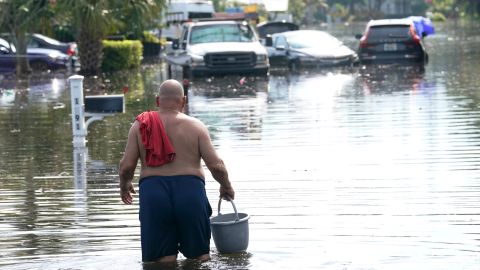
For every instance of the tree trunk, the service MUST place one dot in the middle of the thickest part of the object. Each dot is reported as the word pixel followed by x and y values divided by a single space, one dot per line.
pixel 90 48
pixel 22 66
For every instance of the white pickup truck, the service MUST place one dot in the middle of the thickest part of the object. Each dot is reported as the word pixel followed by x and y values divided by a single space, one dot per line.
pixel 218 47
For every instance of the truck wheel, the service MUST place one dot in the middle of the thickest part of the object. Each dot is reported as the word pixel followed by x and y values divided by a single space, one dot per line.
pixel 186 72
pixel 263 72
pixel 293 66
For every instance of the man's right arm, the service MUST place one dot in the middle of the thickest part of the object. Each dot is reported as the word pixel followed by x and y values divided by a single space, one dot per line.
pixel 215 164
pixel 128 164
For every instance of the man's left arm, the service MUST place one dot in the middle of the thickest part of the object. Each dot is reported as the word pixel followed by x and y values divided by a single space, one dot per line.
pixel 128 165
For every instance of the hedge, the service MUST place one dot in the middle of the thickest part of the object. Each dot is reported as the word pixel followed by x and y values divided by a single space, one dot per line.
pixel 118 55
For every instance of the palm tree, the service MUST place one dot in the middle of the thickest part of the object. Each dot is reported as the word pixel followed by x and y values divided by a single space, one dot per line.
pixel 94 19
pixel 91 21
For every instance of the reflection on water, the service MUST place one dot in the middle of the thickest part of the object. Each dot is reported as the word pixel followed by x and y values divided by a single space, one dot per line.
pixel 375 168
pixel 228 86
pixel 390 79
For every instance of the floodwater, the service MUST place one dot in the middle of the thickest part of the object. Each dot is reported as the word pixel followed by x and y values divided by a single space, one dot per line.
pixel 370 168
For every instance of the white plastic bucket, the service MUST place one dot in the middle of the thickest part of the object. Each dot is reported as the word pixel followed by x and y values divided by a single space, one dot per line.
pixel 230 231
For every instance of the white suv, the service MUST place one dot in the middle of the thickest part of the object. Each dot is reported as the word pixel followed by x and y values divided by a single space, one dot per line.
pixel 218 47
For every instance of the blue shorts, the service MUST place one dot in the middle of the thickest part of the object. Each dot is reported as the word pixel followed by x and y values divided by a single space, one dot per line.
pixel 174 216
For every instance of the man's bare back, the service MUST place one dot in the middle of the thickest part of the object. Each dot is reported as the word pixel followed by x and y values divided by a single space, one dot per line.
pixel 184 133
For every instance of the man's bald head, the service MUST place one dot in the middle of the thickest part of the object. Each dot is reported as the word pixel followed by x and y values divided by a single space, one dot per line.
pixel 171 89
pixel 171 96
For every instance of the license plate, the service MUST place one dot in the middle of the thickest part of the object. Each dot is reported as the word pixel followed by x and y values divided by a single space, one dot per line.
pixel 390 47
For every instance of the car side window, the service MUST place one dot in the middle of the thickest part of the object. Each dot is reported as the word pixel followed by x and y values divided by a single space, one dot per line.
pixel 33 44
pixel 280 41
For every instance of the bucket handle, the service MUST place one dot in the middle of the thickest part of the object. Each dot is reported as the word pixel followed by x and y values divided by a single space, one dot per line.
pixel 234 208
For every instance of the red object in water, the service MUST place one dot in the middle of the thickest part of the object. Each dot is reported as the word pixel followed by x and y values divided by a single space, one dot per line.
pixel 125 89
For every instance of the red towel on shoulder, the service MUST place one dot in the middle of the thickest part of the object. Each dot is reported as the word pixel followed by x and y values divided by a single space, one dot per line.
pixel 159 149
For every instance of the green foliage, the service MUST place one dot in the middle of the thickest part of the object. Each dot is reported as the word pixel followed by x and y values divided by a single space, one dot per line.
pixel 136 16
pixel 118 55
pixel 151 44
pixel 219 5
pixel 438 17
pixel 149 37
pixel 470 8
pixel 446 7
pixel 94 20
pixel 64 33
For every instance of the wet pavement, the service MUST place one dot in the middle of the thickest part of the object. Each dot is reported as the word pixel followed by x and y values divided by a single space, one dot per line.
pixel 370 168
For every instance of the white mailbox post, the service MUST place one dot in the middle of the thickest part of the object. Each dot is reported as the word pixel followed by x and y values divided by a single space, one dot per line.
pixel 78 118
pixel 93 107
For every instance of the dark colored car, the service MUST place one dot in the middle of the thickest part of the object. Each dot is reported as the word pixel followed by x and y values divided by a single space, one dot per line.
pixel 308 48
pixel 39 59
pixel 44 42
pixel 391 41
pixel 41 41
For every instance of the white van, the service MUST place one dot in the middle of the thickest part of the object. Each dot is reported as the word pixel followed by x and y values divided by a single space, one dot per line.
pixel 180 11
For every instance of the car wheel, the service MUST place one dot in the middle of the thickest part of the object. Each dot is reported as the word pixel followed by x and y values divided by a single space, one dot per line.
pixel 39 66
pixel 294 66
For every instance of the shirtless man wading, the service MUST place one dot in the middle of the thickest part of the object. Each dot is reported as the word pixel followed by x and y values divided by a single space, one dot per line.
pixel 174 209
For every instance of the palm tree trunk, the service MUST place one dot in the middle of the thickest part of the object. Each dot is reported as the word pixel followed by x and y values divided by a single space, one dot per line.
pixel 22 67
pixel 90 48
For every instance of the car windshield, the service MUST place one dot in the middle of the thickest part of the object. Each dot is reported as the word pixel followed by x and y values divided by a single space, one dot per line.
pixel 318 41
pixel 389 31
pixel 221 33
